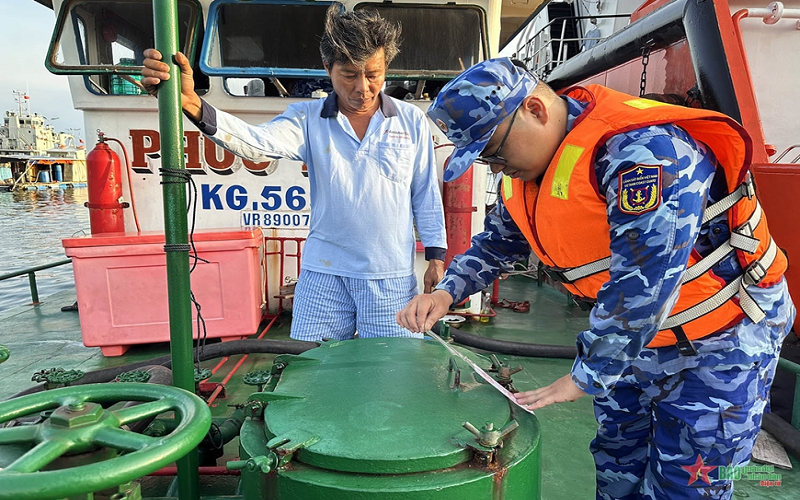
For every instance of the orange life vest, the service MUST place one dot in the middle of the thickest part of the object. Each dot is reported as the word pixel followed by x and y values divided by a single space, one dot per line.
pixel 564 219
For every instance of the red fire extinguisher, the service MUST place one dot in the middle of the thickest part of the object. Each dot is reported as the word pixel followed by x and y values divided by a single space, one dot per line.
pixel 105 189
pixel 458 208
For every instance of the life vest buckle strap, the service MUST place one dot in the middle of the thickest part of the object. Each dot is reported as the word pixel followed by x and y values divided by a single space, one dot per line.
pixel 684 345
pixel 743 241
pixel 686 348
pixel 572 274
pixel 754 273
pixel 748 187
pixel 750 306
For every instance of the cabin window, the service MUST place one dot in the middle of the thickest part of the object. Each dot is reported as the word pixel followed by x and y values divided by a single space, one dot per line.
pixel 264 39
pixel 283 60
pixel 438 40
pixel 104 34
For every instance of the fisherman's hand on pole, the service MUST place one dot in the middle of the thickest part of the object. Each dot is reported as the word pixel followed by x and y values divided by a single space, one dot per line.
pixel 155 71
pixel 424 310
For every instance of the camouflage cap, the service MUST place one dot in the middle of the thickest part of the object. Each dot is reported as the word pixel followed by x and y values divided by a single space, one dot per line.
pixel 471 106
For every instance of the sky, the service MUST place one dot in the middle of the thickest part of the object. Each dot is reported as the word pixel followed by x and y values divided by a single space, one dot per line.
pixel 24 38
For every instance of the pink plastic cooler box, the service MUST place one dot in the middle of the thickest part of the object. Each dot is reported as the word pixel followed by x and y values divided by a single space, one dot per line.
pixel 121 282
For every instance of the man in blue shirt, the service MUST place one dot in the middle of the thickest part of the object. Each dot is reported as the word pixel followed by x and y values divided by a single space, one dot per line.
pixel 372 173
pixel 668 415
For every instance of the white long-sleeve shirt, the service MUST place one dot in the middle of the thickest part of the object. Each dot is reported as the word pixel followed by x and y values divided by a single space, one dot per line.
pixel 365 193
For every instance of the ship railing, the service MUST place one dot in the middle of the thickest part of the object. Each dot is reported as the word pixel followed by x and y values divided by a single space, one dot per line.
pixel 31 272
pixel 790 148
pixel 794 368
pixel 542 53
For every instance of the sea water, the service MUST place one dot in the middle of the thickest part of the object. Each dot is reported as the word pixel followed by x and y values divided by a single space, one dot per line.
pixel 32 225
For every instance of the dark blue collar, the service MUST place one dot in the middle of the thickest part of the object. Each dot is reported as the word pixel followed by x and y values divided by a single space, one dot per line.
pixel 330 108
pixel 575 108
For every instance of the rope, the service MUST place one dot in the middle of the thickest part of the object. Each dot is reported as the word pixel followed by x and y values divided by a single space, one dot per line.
pixel 182 176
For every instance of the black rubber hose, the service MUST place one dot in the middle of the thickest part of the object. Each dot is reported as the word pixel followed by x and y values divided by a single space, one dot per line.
pixel 514 348
pixel 213 351
pixel 783 431
pixel 220 435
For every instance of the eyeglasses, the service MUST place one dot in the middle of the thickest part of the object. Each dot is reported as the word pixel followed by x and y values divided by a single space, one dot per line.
pixel 495 158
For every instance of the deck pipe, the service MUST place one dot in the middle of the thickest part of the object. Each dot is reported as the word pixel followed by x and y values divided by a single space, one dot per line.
pixel 213 351
pixel 514 348
pixel 218 435
pixel 507 346
pixel 210 448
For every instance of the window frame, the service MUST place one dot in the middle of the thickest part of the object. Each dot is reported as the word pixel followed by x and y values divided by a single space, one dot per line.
pixel 212 34
pixel 64 18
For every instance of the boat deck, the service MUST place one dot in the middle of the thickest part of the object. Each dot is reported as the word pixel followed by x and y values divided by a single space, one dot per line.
pixel 44 337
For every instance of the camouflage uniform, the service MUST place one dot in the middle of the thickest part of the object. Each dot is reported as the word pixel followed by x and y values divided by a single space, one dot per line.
pixel 657 410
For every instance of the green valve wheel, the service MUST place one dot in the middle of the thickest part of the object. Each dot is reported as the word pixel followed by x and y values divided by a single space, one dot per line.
pixel 140 376
pixel 4 353
pixel 79 424
pixel 65 377
pixel 201 374
pixel 257 378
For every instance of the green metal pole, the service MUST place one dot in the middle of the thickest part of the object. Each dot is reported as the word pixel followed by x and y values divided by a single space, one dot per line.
pixel 165 15
pixel 34 289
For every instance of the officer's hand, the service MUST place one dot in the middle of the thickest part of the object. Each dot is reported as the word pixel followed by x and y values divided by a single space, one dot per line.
pixel 563 389
pixel 155 71
pixel 434 274
pixel 424 310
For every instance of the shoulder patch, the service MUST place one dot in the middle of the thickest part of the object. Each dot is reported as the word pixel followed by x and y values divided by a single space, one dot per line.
pixel 639 189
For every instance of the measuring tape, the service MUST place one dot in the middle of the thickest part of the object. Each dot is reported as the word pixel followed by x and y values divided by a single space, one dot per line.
pixel 485 376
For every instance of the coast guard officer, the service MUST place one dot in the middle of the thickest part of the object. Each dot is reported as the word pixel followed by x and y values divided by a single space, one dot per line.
pixel 648 210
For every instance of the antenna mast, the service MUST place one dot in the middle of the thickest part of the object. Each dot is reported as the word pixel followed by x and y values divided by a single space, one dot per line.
pixel 22 102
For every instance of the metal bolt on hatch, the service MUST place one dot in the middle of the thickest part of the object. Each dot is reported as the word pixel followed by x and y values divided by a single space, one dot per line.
pixel 263 463
pixel 504 373
pixel 488 436
pixel 254 409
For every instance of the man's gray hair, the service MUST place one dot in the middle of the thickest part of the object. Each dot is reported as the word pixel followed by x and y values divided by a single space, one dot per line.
pixel 354 37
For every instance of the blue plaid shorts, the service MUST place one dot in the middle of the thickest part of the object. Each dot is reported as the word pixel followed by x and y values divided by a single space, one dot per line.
pixel 336 307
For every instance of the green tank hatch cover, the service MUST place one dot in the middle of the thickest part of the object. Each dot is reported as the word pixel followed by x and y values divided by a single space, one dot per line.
pixel 381 406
